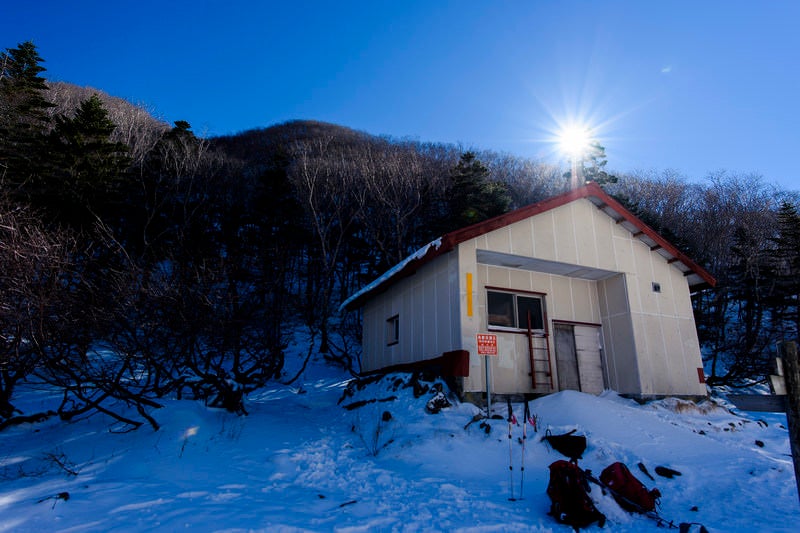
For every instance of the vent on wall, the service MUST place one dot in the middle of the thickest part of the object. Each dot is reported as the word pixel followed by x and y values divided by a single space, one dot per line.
pixel 656 287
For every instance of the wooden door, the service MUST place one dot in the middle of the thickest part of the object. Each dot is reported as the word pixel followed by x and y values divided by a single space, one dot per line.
pixel 590 363
pixel 578 358
pixel 566 357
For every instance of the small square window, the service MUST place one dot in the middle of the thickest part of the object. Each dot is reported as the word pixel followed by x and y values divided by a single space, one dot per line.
pixel 501 308
pixel 656 287
pixel 393 330
pixel 529 313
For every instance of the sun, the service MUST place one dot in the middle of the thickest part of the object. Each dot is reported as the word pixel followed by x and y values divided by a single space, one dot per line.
pixel 574 139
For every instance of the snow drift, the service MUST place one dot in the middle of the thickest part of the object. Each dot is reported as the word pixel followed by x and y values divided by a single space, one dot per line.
pixel 301 461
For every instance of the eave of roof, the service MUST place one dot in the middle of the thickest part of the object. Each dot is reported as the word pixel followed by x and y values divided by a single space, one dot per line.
pixel 697 276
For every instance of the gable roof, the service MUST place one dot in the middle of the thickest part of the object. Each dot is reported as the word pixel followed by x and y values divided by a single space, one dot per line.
pixel 696 275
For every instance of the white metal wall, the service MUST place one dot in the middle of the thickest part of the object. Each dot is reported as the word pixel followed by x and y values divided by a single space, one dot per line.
pixel 650 340
pixel 428 310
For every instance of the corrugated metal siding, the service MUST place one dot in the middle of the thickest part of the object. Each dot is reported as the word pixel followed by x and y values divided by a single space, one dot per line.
pixel 428 320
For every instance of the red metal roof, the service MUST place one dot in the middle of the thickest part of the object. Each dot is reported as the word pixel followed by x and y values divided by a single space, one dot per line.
pixel 696 275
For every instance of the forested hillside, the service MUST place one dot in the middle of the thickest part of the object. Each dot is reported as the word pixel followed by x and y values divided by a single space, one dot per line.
pixel 139 261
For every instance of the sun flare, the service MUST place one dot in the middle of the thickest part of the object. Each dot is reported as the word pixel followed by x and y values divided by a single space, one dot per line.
pixel 575 139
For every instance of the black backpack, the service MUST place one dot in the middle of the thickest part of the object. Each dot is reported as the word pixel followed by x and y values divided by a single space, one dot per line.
pixel 568 490
pixel 568 444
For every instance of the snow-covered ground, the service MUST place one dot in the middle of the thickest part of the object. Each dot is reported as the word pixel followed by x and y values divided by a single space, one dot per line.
pixel 302 462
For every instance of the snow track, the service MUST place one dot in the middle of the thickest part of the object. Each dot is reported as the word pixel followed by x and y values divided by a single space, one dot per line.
pixel 301 462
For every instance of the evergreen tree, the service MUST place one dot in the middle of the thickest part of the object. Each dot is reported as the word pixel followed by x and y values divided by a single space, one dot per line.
pixel 88 169
pixel 591 166
pixel 595 163
pixel 473 197
pixel 785 299
pixel 750 286
pixel 24 117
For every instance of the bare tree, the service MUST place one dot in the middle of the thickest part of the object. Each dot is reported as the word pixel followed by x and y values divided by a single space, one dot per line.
pixel 332 196
pixel 728 225
pixel 34 264
pixel 528 181
pixel 173 188
pixel 396 181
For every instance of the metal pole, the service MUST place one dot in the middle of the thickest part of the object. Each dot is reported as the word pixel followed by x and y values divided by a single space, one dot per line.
pixel 488 389
pixel 510 450
pixel 791 374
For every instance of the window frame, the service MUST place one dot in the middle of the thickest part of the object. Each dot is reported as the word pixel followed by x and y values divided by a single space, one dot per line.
pixel 515 295
pixel 393 330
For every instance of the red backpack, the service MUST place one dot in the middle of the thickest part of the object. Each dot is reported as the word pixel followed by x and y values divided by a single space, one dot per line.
pixel 570 502
pixel 628 491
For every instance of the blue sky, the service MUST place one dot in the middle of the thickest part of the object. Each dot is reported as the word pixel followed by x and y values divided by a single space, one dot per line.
pixel 695 86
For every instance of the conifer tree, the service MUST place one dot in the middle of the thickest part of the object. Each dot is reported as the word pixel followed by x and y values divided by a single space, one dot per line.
pixel 24 117
pixel 750 285
pixel 786 271
pixel 595 163
pixel 87 170
pixel 473 196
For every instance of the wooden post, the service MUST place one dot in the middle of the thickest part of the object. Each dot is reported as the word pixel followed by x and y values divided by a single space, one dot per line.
pixel 791 373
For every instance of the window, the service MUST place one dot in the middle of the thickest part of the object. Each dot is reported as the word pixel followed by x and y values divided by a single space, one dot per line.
pixel 393 330
pixel 510 310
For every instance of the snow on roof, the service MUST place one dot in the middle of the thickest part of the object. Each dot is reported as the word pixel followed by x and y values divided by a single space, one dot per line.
pixel 419 254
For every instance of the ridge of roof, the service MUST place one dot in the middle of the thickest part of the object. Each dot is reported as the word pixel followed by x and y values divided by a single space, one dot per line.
pixel 591 190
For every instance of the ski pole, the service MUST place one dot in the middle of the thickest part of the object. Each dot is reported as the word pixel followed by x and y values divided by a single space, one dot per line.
pixel 527 415
pixel 510 451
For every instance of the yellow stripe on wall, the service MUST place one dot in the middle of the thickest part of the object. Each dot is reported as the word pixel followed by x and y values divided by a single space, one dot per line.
pixel 469 293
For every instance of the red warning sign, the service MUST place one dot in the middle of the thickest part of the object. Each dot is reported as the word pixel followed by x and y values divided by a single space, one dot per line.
pixel 487 344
